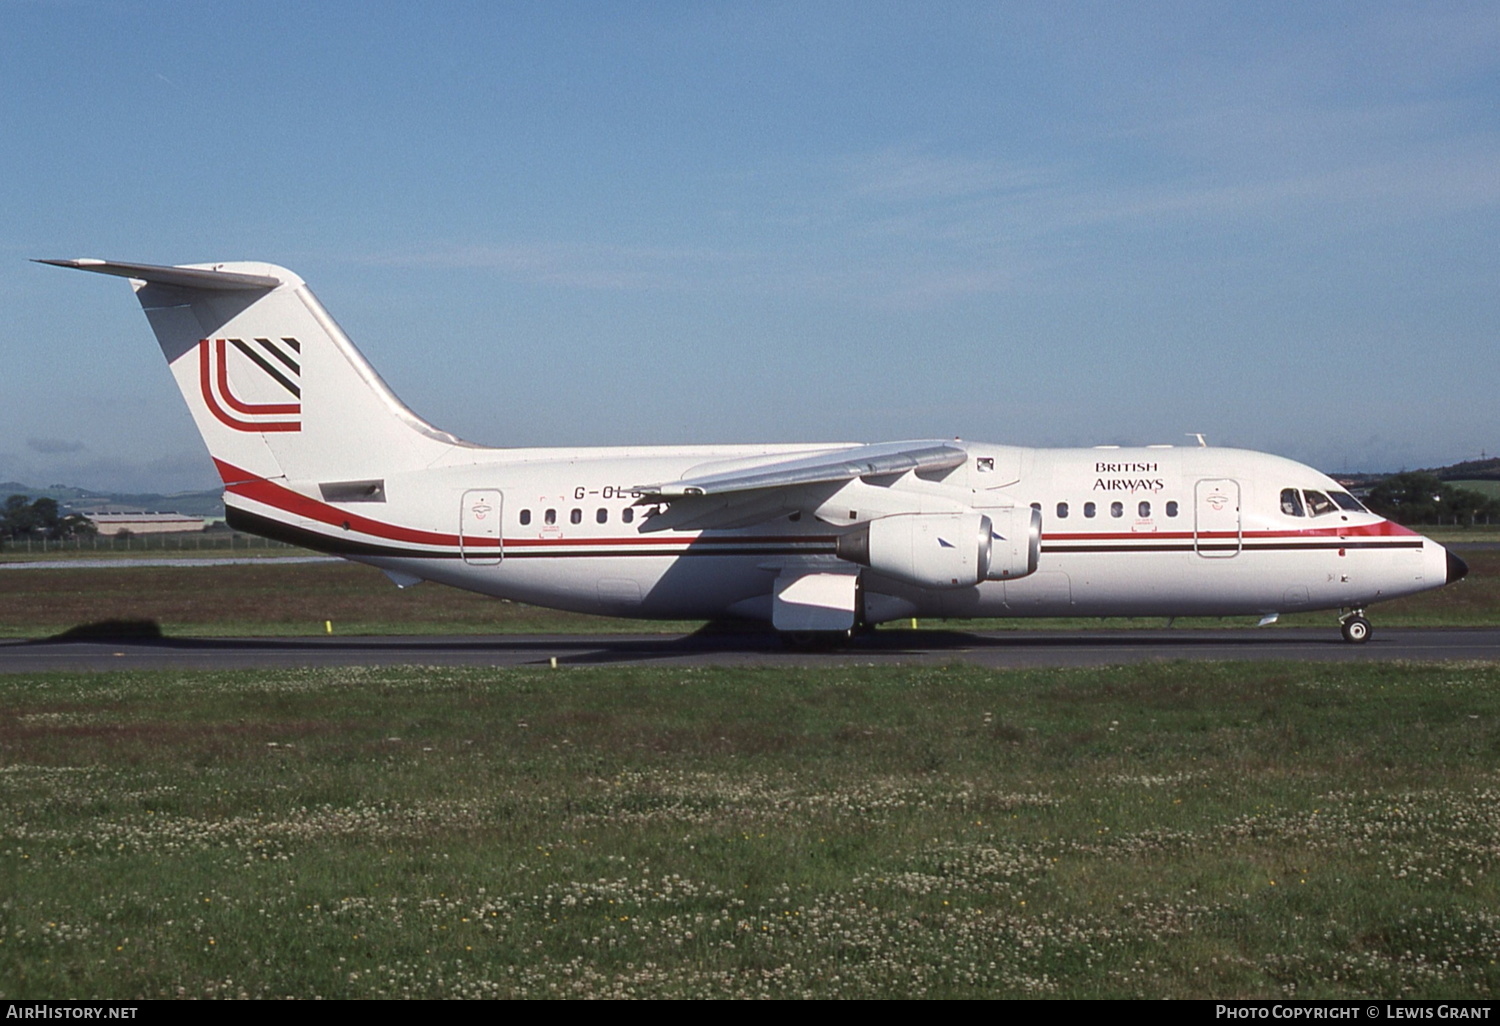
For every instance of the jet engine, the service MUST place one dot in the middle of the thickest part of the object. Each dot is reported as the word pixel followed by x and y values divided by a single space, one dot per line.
pixel 947 550
pixel 1017 546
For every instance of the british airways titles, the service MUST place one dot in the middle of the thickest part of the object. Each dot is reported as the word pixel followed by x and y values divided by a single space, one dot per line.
pixel 1127 484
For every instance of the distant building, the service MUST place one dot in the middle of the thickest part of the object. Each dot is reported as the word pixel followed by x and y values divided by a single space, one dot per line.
pixel 145 523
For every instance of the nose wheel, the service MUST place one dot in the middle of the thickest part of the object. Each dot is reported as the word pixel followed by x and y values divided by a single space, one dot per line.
pixel 1355 628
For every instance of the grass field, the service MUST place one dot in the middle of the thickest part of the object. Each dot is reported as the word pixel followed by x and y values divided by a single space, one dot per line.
pixel 1490 488
pixel 298 599
pixel 188 544
pixel 1185 830
pixel 270 599
pixel 1450 534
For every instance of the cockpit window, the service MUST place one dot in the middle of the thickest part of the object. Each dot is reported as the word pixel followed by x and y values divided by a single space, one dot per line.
pixel 1347 501
pixel 1291 503
pixel 1318 503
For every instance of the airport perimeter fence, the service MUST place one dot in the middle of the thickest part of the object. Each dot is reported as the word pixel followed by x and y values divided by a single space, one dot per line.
pixel 184 541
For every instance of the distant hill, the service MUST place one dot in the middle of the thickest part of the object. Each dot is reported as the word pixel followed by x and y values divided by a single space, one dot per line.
pixel 1483 486
pixel 81 500
pixel 1462 474
pixel 1471 470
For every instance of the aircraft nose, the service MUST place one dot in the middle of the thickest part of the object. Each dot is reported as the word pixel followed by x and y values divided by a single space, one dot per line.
pixel 1457 568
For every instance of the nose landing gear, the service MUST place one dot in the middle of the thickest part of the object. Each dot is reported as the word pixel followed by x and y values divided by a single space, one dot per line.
pixel 1354 627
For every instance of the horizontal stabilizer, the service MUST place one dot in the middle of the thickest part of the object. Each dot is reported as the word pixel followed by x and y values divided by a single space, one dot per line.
pixel 185 277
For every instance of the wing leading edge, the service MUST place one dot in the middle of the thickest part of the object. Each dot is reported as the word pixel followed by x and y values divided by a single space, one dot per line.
pixel 740 498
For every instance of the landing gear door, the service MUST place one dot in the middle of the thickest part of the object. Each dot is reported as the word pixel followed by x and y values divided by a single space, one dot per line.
pixel 1216 525
pixel 479 527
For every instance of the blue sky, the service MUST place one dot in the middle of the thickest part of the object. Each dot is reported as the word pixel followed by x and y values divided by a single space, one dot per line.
pixel 608 223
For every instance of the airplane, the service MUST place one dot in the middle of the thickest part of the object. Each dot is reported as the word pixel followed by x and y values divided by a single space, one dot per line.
pixel 818 540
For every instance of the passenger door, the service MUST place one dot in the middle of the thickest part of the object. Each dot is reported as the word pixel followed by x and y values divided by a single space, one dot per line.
pixel 479 527
pixel 1216 521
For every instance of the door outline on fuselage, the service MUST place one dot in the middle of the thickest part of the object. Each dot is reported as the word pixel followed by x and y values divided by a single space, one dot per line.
pixel 1216 513
pixel 480 538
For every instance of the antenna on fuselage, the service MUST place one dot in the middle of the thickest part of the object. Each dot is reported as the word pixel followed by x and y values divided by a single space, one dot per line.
pixel 1198 435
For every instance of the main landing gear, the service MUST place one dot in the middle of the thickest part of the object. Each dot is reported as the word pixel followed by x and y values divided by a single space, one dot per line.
pixel 1354 626
pixel 822 641
pixel 816 641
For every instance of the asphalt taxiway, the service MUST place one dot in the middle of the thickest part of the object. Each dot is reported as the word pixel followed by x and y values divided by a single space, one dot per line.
pixel 999 649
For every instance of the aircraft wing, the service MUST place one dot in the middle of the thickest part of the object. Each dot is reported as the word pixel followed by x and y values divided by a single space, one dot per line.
pixel 838 465
pixel 740 498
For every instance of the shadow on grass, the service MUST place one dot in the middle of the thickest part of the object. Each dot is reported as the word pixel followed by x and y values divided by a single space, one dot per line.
pixel 112 630
pixel 722 644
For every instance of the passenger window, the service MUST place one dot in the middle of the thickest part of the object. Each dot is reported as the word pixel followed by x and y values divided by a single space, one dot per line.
pixel 628 514
pixel 1172 509
pixel 1318 503
pixel 1143 510
pixel 1117 509
pixel 1291 502
pixel 525 517
pixel 602 516
pixel 1062 511
pixel 1037 506
pixel 576 516
pixel 1088 509
pixel 551 517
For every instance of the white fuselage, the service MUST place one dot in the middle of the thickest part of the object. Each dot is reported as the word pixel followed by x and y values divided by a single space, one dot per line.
pixel 1126 532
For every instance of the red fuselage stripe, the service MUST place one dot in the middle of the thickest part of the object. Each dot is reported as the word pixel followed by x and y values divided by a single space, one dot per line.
pixel 1384 529
pixel 297 504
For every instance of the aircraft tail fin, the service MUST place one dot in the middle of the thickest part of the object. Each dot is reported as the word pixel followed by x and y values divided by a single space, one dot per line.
pixel 275 386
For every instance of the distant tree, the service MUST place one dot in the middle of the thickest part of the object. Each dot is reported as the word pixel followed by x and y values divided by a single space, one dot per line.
pixel 45 516
pixel 76 525
pixel 17 519
pixel 22 518
pixel 1417 497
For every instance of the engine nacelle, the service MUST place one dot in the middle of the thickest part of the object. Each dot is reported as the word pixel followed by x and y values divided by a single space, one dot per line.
pixel 1016 548
pixel 948 550
pixel 934 550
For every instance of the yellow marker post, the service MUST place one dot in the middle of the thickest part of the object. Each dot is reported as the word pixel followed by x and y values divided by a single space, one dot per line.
pixel 328 626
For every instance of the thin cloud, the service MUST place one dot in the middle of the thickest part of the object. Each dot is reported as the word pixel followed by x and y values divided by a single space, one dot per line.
pixel 54 446
pixel 601 266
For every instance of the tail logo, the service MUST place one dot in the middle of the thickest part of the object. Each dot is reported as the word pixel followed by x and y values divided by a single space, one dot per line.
pixel 263 374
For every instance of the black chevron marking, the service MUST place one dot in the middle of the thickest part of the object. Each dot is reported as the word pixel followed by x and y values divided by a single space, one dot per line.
pixel 286 360
pixel 264 365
